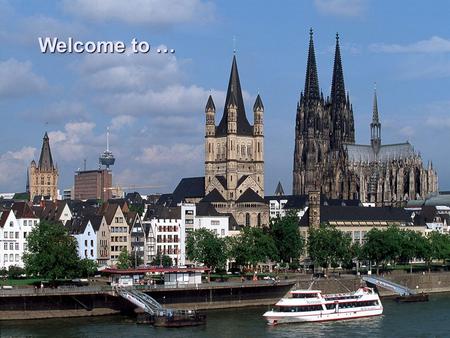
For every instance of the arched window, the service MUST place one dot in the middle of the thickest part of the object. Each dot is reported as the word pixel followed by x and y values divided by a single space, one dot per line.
pixel 243 150
pixel 259 219
pixel 247 219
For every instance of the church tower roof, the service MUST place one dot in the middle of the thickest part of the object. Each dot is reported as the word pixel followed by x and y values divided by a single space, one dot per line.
pixel 279 191
pixel 337 84
pixel 210 104
pixel 234 93
pixel 258 104
pixel 311 80
pixel 45 160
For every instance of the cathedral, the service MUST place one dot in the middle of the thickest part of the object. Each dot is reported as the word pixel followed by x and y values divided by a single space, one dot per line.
pixel 43 176
pixel 327 159
pixel 234 157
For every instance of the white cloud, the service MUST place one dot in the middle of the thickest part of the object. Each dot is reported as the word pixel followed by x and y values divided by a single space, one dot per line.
pixel 151 85
pixel 176 154
pixel 121 121
pixel 13 166
pixel 17 79
pixel 345 8
pixel 149 12
pixel 74 142
pixel 33 27
pixel 407 131
pixel 435 44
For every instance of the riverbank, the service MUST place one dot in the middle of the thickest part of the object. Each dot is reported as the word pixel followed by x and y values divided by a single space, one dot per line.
pixel 28 303
pixel 89 301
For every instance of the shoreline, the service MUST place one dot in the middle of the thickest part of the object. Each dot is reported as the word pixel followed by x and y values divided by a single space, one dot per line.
pixel 74 303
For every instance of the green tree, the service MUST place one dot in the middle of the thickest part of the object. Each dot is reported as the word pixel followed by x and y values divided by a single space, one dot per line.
pixel 253 246
pixel 124 259
pixel 328 246
pixel 382 246
pixel 440 246
pixel 135 259
pixel 411 246
pixel 287 238
pixel 15 272
pixel 52 252
pixel 87 267
pixel 204 246
pixel 162 260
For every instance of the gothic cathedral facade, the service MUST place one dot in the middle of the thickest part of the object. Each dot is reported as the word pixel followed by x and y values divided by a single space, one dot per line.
pixel 326 158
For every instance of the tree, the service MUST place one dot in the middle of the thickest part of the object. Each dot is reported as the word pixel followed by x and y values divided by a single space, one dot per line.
pixel 52 252
pixel 162 260
pixel 440 246
pixel 252 246
pixel 206 247
pixel 412 246
pixel 15 272
pixel 286 236
pixel 328 246
pixel 124 259
pixel 88 267
pixel 382 246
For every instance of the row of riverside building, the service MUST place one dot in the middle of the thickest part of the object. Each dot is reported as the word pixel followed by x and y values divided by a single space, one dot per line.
pixel 103 230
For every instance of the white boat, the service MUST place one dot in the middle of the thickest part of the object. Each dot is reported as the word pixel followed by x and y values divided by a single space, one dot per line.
pixel 312 306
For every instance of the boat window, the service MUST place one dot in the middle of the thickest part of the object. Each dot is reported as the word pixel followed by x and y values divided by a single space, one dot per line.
pixel 304 295
pixel 300 308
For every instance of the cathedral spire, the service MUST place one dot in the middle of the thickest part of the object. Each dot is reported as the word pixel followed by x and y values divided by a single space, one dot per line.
pixel 311 80
pixel 375 118
pixel 234 93
pixel 375 126
pixel 45 160
pixel 337 84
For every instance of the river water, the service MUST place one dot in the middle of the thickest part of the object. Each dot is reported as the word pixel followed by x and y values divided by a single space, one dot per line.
pixel 430 319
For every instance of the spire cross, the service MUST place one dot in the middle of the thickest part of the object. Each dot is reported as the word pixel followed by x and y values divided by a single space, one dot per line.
pixel 234 44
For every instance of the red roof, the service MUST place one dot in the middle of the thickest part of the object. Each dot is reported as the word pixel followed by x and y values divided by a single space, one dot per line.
pixel 153 269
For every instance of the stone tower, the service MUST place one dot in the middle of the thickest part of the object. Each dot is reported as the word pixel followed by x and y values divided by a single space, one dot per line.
pixel 234 156
pixel 43 177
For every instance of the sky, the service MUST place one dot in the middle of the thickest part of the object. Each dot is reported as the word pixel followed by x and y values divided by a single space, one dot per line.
pixel 154 103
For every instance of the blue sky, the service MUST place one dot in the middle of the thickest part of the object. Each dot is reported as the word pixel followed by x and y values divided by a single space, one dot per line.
pixel 154 103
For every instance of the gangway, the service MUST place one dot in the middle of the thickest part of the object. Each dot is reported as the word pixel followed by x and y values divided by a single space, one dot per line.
pixel 387 284
pixel 142 300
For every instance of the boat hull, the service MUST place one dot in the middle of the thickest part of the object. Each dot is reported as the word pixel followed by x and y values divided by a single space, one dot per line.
pixel 274 318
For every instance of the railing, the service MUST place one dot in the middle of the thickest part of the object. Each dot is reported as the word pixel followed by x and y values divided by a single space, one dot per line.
pixel 386 284
pixel 25 291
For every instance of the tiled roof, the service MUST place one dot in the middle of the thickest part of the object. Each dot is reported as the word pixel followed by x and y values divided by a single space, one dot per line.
pixel 250 196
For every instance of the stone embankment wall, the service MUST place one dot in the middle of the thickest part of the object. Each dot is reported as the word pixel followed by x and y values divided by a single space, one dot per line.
pixel 429 282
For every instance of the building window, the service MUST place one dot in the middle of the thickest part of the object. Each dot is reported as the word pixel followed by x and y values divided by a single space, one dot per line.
pixel 5 257
pixel 17 234
pixel 6 234
pixel 11 246
pixel 247 219
pixel 259 219
pixel 222 232
pixel 16 246
pixel 11 224
pixel 17 257
pixel 5 246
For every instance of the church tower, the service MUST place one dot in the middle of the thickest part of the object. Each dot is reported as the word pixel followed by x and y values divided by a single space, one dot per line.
pixel 234 156
pixel 43 177
pixel 312 131
pixel 343 126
